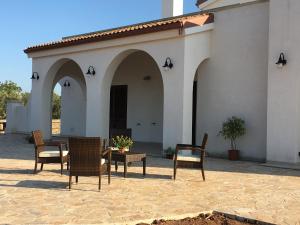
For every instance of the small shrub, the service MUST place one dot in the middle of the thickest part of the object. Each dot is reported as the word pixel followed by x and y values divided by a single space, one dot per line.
pixel 232 129
pixel 170 151
pixel 122 142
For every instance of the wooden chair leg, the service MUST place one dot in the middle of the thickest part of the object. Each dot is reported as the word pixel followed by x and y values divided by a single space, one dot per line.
pixel 99 187
pixel 175 170
pixel 68 165
pixel 76 179
pixel 70 181
pixel 109 172
pixel 35 167
pixel 42 166
pixel 116 166
pixel 61 168
pixel 203 176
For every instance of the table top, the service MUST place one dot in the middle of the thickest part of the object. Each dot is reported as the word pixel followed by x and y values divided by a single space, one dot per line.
pixel 128 156
pixel 128 153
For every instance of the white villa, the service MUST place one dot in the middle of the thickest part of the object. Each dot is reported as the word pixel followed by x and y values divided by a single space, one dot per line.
pixel 172 79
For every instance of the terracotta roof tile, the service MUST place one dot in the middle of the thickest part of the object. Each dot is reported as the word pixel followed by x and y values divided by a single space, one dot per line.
pixel 136 29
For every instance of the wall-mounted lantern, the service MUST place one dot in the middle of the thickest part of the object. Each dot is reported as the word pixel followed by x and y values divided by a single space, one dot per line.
pixel 91 71
pixel 281 61
pixel 35 76
pixel 67 84
pixel 168 64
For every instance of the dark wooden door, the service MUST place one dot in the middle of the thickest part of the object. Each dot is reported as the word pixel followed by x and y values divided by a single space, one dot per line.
pixel 194 119
pixel 118 107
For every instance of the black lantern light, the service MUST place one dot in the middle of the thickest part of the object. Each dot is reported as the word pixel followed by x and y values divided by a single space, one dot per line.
pixel 168 64
pixel 67 84
pixel 35 76
pixel 281 61
pixel 91 71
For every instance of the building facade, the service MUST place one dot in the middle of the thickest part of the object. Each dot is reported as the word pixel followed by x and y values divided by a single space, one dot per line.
pixel 173 79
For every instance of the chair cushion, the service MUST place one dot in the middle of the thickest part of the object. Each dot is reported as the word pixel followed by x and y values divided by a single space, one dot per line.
pixel 52 153
pixel 102 161
pixel 190 158
pixel 185 152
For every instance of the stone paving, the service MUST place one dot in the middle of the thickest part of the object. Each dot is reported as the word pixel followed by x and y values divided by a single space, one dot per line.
pixel 244 188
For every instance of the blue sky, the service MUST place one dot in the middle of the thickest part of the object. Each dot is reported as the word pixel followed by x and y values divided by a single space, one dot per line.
pixel 27 22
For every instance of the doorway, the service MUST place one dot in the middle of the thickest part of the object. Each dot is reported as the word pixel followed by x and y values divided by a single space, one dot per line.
pixel 118 107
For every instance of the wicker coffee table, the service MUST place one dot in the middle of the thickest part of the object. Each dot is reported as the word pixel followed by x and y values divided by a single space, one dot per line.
pixel 128 157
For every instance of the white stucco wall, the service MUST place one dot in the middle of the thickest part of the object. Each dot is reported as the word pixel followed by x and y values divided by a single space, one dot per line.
pixel 233 82
pixel 145 97
pixel 284 84
pixel 171 8
pixel 17 117
pixel 72 108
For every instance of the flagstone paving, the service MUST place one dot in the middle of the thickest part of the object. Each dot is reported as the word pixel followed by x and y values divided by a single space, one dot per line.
pixel 244 188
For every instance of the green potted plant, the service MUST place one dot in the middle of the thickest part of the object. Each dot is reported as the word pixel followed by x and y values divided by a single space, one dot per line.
pixel 232 129
pixel 123 143
pixel 169 153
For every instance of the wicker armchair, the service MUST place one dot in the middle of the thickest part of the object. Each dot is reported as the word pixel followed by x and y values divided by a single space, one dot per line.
pixel 184 156
pixel 43 156
pixel 87 158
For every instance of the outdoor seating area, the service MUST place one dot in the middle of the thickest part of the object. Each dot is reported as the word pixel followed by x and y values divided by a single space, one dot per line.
pixel 246 189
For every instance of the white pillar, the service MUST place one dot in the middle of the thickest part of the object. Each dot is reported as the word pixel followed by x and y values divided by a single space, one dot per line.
pixel 39 109
pixel 283 127
pixel 172 8
pixel 97 106
pixel 177 117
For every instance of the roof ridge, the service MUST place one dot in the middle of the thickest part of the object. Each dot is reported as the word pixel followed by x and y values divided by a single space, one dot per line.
pixel 138 24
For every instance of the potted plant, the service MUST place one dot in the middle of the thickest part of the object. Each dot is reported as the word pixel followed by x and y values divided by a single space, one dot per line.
pixel 169 153
pixel 123 143
pixel 232 129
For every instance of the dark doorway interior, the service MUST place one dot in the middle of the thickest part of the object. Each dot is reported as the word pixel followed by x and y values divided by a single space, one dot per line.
pixel 194 119
pixel 118 107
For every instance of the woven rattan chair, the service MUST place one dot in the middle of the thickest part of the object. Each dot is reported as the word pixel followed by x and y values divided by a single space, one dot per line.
pixel 87 158
pixel 44 156
pixel 186 156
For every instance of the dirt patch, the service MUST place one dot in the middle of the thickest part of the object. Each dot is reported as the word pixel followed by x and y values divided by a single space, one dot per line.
pixel 202 219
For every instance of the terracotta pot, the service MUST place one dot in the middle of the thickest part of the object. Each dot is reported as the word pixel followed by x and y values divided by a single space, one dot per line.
pixel 233 154
pixel 169 156
pixel 122 150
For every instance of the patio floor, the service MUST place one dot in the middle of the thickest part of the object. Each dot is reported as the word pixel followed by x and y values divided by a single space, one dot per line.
pixel 244 188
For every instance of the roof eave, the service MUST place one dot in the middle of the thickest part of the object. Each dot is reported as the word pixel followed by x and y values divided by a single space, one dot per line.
pixel 127 33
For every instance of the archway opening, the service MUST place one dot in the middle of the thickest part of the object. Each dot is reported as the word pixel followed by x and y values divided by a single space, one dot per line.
pixel 199 106
pixel 67 114
pixel 136 102
pixel 56 110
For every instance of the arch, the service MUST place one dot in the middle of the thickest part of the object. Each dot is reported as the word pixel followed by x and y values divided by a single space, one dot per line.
pixel 150 65
pixel 196 105
pixel 64 67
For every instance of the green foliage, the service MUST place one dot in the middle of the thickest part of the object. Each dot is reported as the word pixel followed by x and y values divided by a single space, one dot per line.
pixel 232 129
pixel 11 91
pixel 56 107
pixel 122 142
pixel 25 97
pixel 8 91
pixel 169 151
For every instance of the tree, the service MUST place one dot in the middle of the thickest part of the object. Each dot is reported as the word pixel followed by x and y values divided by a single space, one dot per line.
pixel 55 106
pixel 11 91
pixel 25 97
pixel 8 91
